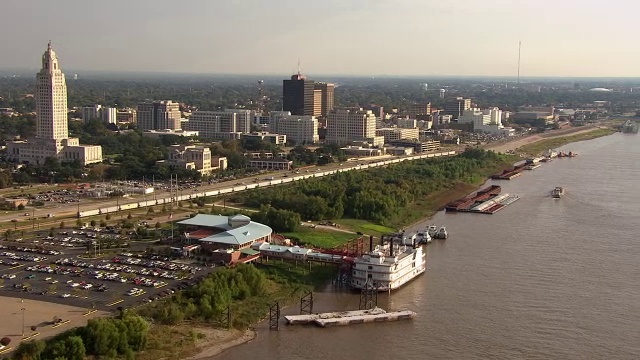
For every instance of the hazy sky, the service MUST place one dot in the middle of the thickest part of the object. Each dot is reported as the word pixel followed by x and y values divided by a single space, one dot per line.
pixel 339 37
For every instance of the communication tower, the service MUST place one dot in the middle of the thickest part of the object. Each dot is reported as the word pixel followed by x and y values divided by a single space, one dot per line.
pixel 261 97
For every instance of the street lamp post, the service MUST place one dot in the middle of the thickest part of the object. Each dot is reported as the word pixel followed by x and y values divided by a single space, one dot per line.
pixel 23 309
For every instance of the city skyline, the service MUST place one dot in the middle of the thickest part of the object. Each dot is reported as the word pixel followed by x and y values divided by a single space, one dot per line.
pixel 563 38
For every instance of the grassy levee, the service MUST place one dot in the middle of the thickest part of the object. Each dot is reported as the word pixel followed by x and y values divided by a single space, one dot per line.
pixel 541 146
pixel 321 238
pixel 364 226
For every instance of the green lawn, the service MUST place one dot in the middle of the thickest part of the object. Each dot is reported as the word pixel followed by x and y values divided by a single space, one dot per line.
pixel 365 227
pixel 543 145
pixel 319 238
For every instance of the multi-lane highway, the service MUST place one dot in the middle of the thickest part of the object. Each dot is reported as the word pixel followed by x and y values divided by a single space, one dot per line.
pixel 91 208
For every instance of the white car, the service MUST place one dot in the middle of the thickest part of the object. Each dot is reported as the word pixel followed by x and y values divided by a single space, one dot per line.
pixel 47 278
pixel 65 295
pixel 54 281
pixel 11 276
pixel 74 285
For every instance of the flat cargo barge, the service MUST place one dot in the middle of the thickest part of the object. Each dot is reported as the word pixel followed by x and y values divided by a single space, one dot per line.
pixel 349 317
pixel 485 201
pixel 510 174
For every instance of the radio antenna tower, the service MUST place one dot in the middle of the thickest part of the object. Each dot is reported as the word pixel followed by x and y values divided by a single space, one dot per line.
pixel 519 48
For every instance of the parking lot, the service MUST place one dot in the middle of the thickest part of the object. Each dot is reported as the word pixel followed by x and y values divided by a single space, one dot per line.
pixel 106 283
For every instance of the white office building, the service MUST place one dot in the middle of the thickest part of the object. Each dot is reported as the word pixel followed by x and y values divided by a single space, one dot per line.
pixel 300 129
pixel 220 125
pixel 52 127
pixel 487 120
pixel 345 126
pixel 108 115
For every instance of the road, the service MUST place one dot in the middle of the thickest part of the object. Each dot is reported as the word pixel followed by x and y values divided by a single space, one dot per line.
pixel 65 210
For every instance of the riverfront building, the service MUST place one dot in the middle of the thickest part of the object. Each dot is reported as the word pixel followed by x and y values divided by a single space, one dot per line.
pixel 225 236
pixel 52 127
pixel 488 121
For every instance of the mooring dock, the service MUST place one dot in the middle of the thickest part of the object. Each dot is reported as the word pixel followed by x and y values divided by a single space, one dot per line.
pixel 350 317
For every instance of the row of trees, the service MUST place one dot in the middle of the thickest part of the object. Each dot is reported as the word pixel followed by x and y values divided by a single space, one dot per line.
pixel 378 195
pixel 108 337
pixel 280 220
pixel 210 298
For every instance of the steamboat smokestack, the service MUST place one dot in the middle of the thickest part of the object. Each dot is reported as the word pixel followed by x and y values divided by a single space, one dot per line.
pixel 370 242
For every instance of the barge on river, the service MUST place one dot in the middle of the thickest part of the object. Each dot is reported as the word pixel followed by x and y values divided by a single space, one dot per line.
pixel 349 317
pixel 485 201
pixel 510 174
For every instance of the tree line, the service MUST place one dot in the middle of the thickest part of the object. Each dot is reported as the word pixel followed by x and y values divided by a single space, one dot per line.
pixel 208 300
pixel 103 337
pixel 378 195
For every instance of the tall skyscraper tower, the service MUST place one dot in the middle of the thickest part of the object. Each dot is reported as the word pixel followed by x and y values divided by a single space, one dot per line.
pixel 327 97
pixel 51 99
pixel 52 132
pixel 298 95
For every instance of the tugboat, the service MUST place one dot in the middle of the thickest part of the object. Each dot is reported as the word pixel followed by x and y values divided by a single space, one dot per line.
pixel 442 234
pixel 558 192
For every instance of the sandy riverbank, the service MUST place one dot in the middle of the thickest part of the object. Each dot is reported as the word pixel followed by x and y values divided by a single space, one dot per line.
pixel 215 341
pixel 39 314
pixel 513 145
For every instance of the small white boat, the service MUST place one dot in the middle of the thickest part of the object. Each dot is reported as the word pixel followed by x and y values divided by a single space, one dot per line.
pixel 432 230
pixel 442 233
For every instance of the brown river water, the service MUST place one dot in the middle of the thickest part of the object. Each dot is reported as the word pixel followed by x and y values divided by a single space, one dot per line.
pixel 541 279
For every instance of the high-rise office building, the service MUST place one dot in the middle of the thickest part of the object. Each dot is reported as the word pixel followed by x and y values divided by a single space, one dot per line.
pixel 456 107
pixel 91 113
pixel 108 115
pixel 159 115
pixel 52 128
pixel 327 97
pixel 317 102
pixel 298 95
pixel 419 109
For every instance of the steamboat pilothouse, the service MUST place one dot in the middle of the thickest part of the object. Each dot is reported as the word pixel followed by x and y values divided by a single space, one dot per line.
pixel 389 265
